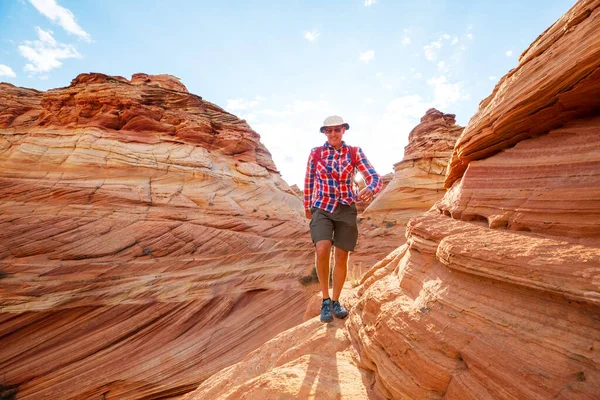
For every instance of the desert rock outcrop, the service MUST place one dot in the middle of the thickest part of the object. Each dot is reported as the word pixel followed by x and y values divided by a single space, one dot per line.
pixel 146 237
pixel 496 293
pixel 416 185
pixel 418 180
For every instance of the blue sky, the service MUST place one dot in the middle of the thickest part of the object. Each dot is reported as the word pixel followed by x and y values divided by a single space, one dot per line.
pixel 286 65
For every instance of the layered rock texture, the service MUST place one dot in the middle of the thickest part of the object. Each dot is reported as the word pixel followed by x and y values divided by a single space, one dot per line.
pixel 416 185
pixel 146 240
pixel 418 180
pixel 496 293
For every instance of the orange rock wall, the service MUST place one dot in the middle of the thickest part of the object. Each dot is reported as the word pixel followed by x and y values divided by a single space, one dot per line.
pixel 416 185
pixel 146 240
pixel 418 180
pixel 496 293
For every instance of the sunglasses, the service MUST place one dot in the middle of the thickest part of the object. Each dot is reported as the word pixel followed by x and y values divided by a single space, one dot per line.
pixel 328 131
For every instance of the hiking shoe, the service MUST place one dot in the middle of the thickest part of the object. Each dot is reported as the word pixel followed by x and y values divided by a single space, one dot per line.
pixel 339 311
pixel 326 311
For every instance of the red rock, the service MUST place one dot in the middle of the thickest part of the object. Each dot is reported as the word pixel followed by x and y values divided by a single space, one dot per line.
pixel 418 179
pixel 146 240
pixel 564 64
pixel 416 185
pixel 495 294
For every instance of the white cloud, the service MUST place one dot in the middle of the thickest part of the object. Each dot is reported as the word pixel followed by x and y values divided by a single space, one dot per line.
pixel 406 38
pixel 379 74
pixel 470 27
pixel 492 78
pixel 432 49
pixel 445 93
pixel 454 41
pixel 241 104
pixel 312 36
pixel 509 53
pixel 418 75
pixel 367 56
pixel 5 70
pixel 392 127
pixel 45 54
pixel 369 100
pixel 302 106
pixel 369 3
pixel 62 16
pixel 387 86
pixel 445 36
pixel 442 66
pixel 469 36
pixel 463 48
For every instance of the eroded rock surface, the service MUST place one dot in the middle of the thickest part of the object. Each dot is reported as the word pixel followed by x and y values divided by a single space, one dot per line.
pixel 418 180
pixel 496 293
pixel 146 240
pixel 416 185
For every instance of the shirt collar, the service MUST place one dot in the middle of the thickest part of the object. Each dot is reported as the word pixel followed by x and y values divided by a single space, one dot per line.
pixel 327 145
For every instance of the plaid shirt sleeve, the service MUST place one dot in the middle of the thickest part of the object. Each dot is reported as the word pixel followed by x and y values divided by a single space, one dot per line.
pixel 371 176
pixel 309 181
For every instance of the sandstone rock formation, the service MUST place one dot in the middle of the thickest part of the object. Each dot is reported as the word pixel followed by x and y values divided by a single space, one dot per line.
pixel 147 240
pixel 416 185
pixel 299 193
pixel 418 180
pixel 496 293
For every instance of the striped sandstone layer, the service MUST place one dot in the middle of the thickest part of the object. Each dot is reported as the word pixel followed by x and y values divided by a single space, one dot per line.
pixel 146 240
pixel 496 293
pixel 416 185
pixel 418 181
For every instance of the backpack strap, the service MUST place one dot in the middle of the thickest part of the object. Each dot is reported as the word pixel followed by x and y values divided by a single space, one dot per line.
pixel 317 156
pixel 354 155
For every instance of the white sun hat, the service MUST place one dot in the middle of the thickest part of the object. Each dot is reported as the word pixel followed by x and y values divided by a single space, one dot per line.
pixel 334 120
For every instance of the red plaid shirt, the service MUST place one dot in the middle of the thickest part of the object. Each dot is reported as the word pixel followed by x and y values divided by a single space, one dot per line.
pixel 331 181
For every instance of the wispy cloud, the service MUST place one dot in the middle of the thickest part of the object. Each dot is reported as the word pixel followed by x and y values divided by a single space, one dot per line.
pixel 406 38
pixel 61 16
pixel 369 100
pixel 5 70
pixel 442 66
pixel 492 78
pixel 509 53
pixel 312 35
pixel 367 56
pixel 445 93
pixel 45 54
pixel 432 49
pixel 369 3
pixel 469 36
pixel 241 104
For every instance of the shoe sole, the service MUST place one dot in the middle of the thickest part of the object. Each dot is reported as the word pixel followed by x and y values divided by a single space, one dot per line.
pixel 326 320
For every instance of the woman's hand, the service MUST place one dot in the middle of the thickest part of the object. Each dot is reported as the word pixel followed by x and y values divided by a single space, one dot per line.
pixel 365 195
pixel 308 214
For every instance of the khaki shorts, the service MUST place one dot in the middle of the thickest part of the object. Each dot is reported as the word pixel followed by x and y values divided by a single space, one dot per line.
pixel 339 227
